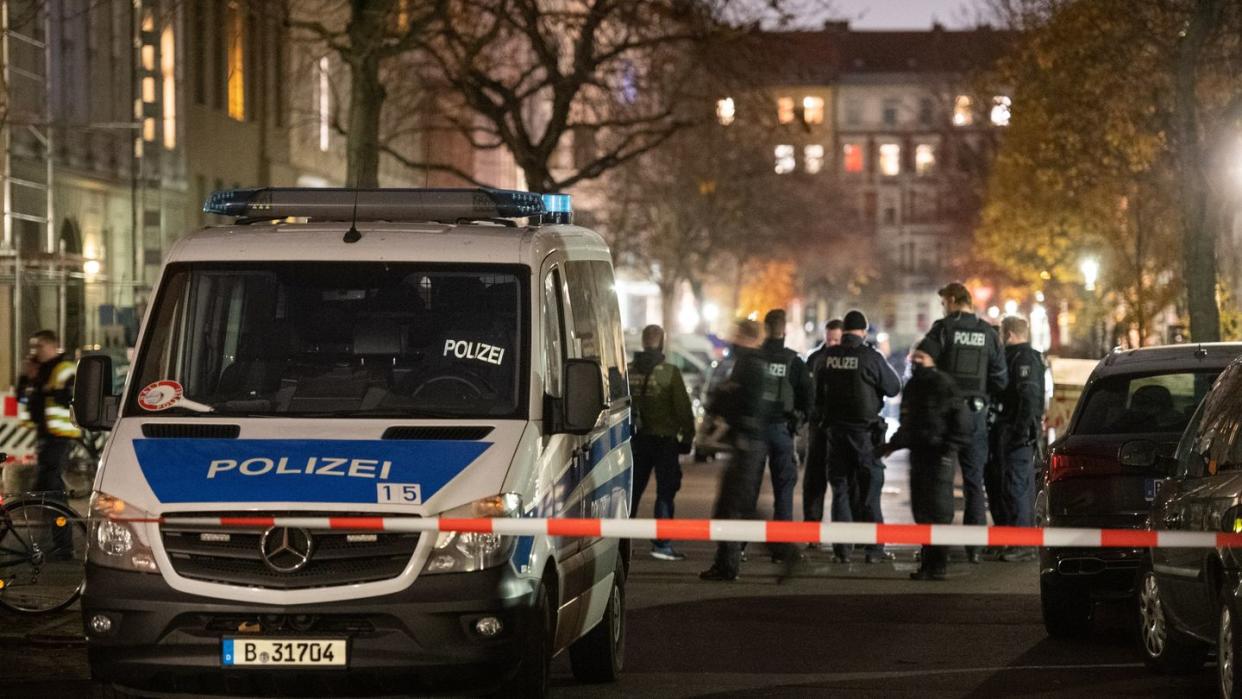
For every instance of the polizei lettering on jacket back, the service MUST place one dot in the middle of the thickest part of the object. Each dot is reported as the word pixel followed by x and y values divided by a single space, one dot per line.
pixel 841 363
pixel 315 465
pixel 969 339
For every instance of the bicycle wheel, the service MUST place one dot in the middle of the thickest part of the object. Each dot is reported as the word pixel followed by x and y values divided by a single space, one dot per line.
pixel 42 556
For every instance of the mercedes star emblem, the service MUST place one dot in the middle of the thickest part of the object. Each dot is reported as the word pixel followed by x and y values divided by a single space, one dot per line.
pixel 286 549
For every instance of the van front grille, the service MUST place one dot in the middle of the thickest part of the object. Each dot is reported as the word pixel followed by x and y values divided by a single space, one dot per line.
pixel 235 556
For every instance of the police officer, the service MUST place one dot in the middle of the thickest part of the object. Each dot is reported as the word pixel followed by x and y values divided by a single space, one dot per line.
pixel 850 389
pixel 935 425
pixel 663 428
pixel 1019 413
pixel 789 395
pixel 968 349
pixel 739 400
pixel 47 392
pixel 815 482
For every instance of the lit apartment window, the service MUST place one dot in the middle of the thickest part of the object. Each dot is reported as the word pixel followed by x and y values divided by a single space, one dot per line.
pixel 148 129
pixel 148 57
pixel 813 158
pixel 323 104
pixel 785 110
pixel 148 90
pixel 168 73
pixel 813 110
pixel 924 158
pixel 784 159
pixel 890 159
pixel 726 110
pixel 1000 110
pixel 963 114
pixel 852 157
pixel 236 62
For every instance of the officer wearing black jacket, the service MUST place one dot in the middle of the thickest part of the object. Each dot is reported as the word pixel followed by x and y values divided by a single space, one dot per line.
pixel 850 389
pixel 790 398
pixel 935 426
pixel 1019 413
pixel 968 349
pixel 740 402
pixel 815 482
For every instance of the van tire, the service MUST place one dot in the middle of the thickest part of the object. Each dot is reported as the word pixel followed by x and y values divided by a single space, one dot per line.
pixel 531 681
pixel 598 656
pixel 1228 647
pixel 1067 607
pixel 1165 649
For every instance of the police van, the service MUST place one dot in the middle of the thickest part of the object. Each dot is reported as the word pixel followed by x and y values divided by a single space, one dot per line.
pixel 343 354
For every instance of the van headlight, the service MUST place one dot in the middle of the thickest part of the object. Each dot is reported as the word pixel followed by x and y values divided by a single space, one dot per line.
pixel 116 542
pixel 462 552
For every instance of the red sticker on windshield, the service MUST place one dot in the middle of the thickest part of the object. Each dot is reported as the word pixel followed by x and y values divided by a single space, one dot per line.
pixel 160 395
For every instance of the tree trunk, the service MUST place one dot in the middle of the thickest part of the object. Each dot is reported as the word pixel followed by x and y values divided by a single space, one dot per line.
pixel 366 102
pixel 1198 230
pixel 668 306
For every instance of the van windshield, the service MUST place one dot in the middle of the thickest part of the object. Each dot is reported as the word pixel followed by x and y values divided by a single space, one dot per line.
pixel 348 339
pixel 1139 404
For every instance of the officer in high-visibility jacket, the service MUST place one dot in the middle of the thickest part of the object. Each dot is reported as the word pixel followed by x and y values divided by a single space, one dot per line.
pixel 47 396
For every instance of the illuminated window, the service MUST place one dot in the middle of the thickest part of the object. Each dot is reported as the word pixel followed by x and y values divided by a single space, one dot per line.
pixel 963 114
pixel 813 110
pixel 148 129
pixel 785 110
pixel 890 159
pixel 924 158
pixel 726 110
pixel 784 159
pixel 813 158
pixel 148 21
pixel 852 157
pixel 236 62
pixel 148 57
pixel 1000 110
pixel 324 105
pixel 148 90
pixel 168 73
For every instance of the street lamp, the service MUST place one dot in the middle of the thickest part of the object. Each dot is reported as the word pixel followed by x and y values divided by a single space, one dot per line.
pixel 1090 268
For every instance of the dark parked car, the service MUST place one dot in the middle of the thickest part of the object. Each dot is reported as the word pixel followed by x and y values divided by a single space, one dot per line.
pixel 1103 471
pixel 1189 598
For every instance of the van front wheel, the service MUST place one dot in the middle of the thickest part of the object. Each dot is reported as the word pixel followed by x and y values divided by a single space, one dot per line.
pixel 532 676
pixel 598 656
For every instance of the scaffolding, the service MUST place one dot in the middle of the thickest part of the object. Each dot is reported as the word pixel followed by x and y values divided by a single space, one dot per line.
pixel 26 135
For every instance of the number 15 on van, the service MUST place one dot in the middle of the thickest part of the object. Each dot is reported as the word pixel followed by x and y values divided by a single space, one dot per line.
pixel 399 493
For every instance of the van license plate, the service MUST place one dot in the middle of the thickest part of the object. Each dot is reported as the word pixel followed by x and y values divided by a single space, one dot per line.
pixel 291 652
pixel 1149 489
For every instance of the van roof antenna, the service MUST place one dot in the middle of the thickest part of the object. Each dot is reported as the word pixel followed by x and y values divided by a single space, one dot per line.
pixel 352 235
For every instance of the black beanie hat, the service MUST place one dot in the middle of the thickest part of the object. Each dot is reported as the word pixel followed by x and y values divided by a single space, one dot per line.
pixel 854 320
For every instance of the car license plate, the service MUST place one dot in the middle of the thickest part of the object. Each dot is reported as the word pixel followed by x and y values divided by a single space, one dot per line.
pixel 1149 489
pixel 284 652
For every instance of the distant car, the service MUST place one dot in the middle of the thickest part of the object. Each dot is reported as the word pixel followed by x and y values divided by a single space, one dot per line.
pixel 1102 471
pixel 1189 599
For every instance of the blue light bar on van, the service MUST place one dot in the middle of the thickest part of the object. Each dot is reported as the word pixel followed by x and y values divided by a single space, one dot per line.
pixel 558 207
pixel 374 204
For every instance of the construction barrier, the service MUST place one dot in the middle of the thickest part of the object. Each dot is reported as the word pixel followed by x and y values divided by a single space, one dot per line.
pixel 741 531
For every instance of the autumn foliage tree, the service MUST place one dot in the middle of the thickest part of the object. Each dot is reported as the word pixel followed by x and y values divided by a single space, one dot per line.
pixel 1120 107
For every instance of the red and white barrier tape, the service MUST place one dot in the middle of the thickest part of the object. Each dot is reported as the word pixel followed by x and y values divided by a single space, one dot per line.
pixel 742 530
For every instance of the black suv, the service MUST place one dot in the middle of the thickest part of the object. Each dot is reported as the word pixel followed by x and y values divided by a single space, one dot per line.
pixel 1103 472
pixel 1189 598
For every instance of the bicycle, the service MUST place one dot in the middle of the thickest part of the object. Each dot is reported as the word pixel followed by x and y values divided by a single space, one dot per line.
pixel 42 555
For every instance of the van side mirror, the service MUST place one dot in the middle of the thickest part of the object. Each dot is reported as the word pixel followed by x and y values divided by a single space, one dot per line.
pixel 583 401
pixel 94 405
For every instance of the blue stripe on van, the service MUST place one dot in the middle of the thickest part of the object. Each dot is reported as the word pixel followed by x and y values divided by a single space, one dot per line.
pixel 301 470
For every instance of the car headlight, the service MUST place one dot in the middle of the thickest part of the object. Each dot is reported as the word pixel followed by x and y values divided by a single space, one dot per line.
pixel 462 552
pixel 115 540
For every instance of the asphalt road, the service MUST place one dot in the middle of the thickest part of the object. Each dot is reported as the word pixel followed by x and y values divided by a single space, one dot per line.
pixel 856 630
